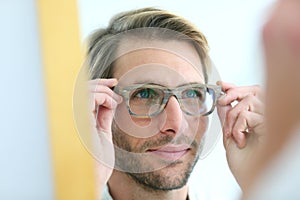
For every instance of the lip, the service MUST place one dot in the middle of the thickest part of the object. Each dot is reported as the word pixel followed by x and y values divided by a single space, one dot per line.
pixel 171 152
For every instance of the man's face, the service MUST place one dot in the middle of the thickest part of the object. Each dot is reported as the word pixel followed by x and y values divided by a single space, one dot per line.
pixel 159 152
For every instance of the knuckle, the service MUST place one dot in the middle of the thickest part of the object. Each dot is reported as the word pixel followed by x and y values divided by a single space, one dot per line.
pixel 98 87
pixel 237 110
pixel 98 101
pixel 235 132
pixel 250 96
pixel 243 114
pixel 231 114
pixel 257 89
pixel 249 99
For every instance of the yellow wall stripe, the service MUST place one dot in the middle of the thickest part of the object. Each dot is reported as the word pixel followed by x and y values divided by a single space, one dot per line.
pixel 62 57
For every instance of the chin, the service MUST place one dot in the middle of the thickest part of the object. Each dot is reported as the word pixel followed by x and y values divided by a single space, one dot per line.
pixel 173 176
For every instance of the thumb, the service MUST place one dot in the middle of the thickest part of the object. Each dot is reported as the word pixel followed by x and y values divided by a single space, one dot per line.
pixel 222 113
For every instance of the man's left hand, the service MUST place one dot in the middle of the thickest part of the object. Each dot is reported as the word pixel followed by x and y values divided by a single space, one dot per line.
pixel 241 112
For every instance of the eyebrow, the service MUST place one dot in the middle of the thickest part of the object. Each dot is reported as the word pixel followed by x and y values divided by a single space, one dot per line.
pixel 159 84
pixel 190 83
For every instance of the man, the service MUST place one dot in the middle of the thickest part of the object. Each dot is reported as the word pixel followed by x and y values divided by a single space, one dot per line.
pixel 150 71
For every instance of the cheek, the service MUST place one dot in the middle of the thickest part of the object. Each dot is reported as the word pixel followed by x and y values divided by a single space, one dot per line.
pixel 197 127
pixel 125 141
pixel 133 126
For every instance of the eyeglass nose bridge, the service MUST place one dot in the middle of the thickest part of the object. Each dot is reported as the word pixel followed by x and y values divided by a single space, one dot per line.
pixel 168 94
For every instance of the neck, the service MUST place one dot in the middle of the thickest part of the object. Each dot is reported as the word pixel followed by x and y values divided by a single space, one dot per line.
pixel 123 187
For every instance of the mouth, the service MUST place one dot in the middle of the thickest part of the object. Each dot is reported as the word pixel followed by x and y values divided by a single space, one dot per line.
pixel 170 152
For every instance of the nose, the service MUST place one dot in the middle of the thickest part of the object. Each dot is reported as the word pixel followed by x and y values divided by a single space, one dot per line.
pixel 174 120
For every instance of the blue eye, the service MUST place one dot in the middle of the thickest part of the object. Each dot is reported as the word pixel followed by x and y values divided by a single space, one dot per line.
pixel 193 93
pixel 145 93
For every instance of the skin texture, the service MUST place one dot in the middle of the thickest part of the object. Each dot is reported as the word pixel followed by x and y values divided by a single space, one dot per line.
pixel 242 125
pixel 243 128
pixel 171 127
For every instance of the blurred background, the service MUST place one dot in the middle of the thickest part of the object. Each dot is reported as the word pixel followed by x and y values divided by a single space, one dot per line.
pixel 41 156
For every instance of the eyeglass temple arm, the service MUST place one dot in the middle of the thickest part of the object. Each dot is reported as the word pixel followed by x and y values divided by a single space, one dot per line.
pixel 218 90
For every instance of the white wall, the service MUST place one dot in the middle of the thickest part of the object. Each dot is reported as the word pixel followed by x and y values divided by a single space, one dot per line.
pixel 25 166
pixel 232 28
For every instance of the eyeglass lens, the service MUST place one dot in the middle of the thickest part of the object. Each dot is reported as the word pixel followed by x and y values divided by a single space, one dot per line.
pixel 146 101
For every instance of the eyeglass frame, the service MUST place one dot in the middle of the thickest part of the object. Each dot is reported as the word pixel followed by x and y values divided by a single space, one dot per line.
pixel 168 92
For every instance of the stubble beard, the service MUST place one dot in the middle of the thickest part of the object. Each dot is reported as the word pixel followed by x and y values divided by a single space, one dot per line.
pixel 139 166
pixel 158 180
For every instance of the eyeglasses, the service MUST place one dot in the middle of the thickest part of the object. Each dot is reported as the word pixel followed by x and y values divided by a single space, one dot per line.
pixel 148 100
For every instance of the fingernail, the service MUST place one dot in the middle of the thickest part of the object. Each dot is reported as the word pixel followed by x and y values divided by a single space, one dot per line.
pixel 115 82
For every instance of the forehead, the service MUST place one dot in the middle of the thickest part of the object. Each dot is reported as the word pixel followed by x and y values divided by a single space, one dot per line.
pixel 166 63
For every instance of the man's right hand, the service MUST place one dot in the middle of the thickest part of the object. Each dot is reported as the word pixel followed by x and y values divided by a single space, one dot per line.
pixel 102 104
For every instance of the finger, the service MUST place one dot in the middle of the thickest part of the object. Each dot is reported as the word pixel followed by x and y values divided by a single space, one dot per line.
pixel 245 124
pixel 238 93
pixel 222 112
pixel 249 103
pixel 107 82
pixel 106 90
pixel 102 99
pixel 105 111
pixel 225 86
pixel 104 118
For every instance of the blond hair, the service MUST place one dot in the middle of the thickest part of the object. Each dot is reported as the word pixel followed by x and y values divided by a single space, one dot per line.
pixel 103 44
